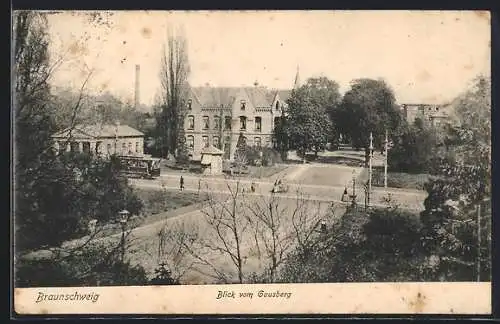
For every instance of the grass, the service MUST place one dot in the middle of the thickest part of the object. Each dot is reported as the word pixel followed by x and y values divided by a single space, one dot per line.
pixel 399 179
pixel 160 201
pixel 265 172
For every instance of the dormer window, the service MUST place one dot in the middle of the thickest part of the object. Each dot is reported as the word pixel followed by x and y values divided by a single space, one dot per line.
pixel 243 104
pixel 277 105
pixel 189 103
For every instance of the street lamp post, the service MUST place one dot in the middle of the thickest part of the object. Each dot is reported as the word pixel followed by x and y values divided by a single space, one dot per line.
pixel 260 169
pixel 353 187
pixel 123 222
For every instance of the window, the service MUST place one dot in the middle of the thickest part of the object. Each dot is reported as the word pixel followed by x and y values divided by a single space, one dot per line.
pixel 130 147
pixel 109 148
pixel 258 124
pixel 216 122
pixel 189 104
pixel 206 123
pixel 277 105
pixel 216 141
pixel 227 122
pixel 137 147
pixel 268 141
pixel 124 148
pixel 191 122
pixel 437 108
pixel 190 141
pixel 205 141
pixel 243 123
pixel 257 142
pixel 243 104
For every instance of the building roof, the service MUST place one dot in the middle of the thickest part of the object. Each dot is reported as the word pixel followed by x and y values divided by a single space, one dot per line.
pixel 212 150
pixel 259 96
pixel 99 131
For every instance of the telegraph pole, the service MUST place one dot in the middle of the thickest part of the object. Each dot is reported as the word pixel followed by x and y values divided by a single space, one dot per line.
pixel 385 159
pixel 478 274
pixel 370 170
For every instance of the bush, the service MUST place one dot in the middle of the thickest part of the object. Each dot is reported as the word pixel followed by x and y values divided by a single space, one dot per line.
pixel 269 156
pixel 378 245
pixel 92 266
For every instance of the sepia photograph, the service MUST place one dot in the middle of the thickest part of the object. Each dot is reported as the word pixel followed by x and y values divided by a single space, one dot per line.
pixel 274 157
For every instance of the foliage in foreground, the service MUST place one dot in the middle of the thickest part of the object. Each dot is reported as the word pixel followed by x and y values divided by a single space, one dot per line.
pixel 379 245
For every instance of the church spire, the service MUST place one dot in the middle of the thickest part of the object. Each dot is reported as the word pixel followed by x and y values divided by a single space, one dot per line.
pixel 296 84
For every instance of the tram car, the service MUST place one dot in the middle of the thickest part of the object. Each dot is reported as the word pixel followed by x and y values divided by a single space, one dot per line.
pixel 142 167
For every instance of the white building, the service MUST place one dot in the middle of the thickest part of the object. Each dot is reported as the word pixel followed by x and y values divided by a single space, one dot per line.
pixel 100 139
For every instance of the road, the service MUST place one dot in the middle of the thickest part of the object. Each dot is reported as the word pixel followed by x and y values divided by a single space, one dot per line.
pixel 332 179
pixel 304 178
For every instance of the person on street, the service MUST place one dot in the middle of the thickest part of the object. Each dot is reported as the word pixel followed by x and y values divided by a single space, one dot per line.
pixel 182 183
pixel 344 195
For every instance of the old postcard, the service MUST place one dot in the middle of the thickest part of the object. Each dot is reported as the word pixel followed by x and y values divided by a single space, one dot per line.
pixel 251 162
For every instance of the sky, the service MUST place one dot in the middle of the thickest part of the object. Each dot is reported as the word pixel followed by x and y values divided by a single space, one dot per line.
pixel 426 57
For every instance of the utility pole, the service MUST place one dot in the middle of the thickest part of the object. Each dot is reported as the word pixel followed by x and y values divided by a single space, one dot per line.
pixel 368 193
pixel 385 158
pixel 116 137
pixel 478 274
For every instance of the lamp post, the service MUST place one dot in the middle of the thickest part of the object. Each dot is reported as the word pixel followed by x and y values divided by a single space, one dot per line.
pixel 123 223
pixel 353 187
pixel 260 169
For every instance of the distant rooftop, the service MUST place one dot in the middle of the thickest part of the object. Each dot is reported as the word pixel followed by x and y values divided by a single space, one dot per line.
pixel 100 131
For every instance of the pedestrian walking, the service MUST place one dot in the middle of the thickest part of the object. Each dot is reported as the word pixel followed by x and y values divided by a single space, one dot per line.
pixel 344 195
pixel 182 183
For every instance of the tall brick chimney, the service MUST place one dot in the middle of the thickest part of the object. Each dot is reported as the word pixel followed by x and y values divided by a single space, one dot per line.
pixel 137 86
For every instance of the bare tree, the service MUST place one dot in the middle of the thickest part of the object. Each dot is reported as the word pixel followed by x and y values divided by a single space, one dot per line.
pixel 251 233
pixel 176 241
pixel 175 70
pixel 305 219
pixel 226 230
pixel 282 224
pixel 270 228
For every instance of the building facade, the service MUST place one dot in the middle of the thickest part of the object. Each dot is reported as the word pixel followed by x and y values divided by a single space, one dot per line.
pixel 433 115
pixel 216 116
pixel 100 139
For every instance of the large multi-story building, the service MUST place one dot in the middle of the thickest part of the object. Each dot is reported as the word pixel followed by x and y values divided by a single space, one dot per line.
pixel 216 116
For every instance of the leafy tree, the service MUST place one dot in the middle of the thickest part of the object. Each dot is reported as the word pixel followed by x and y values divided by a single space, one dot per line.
pixel 461 183
pixel 324 92
pixel 71 190
pixel 34 123
pixel 414 150
pixel 308 127
pixel 368 107
pixel 182 156
pixel 280 136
